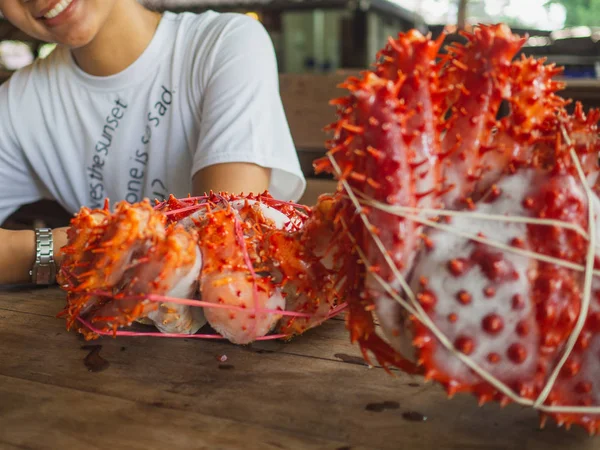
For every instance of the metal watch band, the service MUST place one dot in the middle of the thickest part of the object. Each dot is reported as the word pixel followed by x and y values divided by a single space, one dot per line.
pixel 43 270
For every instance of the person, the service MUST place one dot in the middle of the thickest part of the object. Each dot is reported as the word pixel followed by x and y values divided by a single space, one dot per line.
pixel 135 104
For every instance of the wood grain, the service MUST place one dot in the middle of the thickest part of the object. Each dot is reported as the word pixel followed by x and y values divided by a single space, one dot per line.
pixel 326 341
pixel 71 418
pixel 174 392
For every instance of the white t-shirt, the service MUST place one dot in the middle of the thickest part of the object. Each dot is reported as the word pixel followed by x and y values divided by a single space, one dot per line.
pixel 205 91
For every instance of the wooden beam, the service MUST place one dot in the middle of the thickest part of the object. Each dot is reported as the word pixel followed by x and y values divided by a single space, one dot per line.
pixel 462 14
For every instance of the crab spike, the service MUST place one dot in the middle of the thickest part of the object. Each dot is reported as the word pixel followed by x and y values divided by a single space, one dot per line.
pixel 504 401
pixel 484 398
pixel 451 389
pixel 591 427
pixel 430 375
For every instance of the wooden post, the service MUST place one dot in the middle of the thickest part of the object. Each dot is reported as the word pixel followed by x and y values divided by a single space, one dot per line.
pixel 462 14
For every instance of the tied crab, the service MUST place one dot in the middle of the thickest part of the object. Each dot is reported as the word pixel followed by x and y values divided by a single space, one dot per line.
pixel 473 234
pixel 249 266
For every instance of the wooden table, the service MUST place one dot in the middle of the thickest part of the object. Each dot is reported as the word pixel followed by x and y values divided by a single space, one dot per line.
pixel 312 393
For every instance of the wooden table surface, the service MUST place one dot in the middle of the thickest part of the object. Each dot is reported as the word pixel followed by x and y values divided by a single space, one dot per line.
pixel 312 393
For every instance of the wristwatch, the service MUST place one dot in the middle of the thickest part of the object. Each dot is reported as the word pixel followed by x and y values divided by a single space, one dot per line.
pixel 43 270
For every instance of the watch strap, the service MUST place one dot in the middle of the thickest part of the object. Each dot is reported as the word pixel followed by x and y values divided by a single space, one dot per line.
pixel 44 270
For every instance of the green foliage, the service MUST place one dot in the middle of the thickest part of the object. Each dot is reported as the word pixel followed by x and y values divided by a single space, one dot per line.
pixel 581 12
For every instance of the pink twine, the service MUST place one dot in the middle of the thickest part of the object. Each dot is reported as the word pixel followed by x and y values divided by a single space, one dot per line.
pixel 334 312
pixel 199 303
pixel 185 199
pixel 187 208
pixel 259 198
pixel 337 310
pixel 165 335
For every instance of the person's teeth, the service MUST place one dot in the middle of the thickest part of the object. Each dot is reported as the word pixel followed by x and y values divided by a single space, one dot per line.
pixel 60 7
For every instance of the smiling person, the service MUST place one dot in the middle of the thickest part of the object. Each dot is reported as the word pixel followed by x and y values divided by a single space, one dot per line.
pixel 135 104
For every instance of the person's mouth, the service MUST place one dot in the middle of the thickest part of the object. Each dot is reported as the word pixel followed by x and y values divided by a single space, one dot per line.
pixel 55 10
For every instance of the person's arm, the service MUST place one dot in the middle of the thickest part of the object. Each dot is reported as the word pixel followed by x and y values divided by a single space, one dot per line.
pixel 233 178
pixel 17 253
pixel 18 186
pixel 245 145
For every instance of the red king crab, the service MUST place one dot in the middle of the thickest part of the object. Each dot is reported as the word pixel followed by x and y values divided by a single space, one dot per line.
pixel 474 235
pixel 247 265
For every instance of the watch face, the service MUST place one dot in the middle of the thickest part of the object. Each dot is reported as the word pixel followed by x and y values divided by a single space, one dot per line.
pixel 43 275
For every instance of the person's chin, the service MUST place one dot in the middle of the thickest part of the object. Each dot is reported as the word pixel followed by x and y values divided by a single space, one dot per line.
pixel 76 37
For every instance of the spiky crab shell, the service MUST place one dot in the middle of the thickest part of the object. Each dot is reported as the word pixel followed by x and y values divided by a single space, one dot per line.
pixel 100 249
pixel 511 313
pixel 189 211
pixel 234 274
pixel 120 264
pixel 115 259
pixel 280 248
pixel 170 269
pixel 489 301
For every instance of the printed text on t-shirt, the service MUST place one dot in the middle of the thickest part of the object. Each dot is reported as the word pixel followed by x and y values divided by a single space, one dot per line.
pixel 95 170
pixel 137 171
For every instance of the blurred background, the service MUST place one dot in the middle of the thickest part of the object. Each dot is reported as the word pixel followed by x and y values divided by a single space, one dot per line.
pixel 320 42
pixel 324 36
